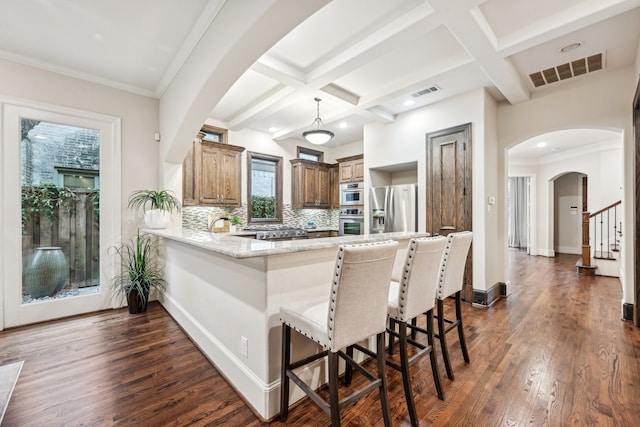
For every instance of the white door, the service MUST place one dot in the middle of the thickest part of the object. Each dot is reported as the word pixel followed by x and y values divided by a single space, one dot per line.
pixel 49 151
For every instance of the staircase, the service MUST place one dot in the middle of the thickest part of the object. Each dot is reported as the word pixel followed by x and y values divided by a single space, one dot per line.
pixel 600 237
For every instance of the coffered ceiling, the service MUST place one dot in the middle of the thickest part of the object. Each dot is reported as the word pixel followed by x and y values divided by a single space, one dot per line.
pixel 363 58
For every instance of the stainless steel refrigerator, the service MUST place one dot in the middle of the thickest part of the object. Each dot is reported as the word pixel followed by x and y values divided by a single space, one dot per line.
pixel 394 208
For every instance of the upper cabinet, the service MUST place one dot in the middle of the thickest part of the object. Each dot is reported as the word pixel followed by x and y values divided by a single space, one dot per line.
pixel 310 184
pixel 334 183
pixel 211 174
pixel 351 169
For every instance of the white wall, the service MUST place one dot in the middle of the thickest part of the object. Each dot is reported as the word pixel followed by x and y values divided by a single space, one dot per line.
pixel 601 101
pixel 600 162
pixel 404 141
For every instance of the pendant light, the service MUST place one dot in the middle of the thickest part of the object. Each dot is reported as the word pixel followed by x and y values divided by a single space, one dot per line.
pixel 318 136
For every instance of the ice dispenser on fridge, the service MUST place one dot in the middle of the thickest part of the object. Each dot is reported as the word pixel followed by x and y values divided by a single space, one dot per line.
pixel 394 208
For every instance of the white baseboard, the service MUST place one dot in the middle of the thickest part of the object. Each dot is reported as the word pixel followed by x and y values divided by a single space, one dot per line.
pixel 264 398
pixel 546 252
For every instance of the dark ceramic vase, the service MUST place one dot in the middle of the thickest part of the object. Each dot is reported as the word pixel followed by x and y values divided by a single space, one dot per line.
pixel 47 272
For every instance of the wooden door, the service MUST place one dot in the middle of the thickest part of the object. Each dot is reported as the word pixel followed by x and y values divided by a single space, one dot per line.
pixel 636 274
pixel 358 170
pixel 323 186
pixel 346 172
pixel 230 179
pixel 310 185
pixel 190 175
pixel 210 172
pixel 449 188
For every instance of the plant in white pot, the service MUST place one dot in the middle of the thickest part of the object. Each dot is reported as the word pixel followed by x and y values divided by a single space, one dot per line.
pixel 161 204
pixel 141 271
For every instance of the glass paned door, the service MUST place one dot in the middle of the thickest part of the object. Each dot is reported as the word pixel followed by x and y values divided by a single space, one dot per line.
pixel 60 181
pixel 60 210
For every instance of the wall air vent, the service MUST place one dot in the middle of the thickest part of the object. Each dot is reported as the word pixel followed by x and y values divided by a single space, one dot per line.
pixel 566 71
pixel 430 89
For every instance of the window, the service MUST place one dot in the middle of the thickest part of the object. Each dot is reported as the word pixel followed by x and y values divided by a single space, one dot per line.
pixel 213 134
pixel 264 188
pixel 309 154
pixel 78 178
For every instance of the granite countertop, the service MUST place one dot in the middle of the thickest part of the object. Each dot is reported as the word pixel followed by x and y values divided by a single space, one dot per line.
pixel 235 246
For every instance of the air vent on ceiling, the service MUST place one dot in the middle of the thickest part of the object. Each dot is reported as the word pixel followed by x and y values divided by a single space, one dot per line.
pixel 430 89
pixel 568 70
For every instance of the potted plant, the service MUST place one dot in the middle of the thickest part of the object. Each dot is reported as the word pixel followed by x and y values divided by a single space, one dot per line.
pixel 235 222
pixel 161 204
pixel 141 271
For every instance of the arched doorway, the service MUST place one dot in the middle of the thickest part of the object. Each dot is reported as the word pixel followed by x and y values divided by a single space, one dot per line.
pixel 596 153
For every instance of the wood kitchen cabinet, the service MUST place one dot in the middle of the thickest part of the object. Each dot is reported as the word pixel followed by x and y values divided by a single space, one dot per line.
pixel 310 184
pixel 318 234
pixel 334 183
pixel 351 169
pixel 211 174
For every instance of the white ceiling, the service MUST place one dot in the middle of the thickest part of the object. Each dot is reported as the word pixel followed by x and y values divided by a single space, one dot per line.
pixel 363 58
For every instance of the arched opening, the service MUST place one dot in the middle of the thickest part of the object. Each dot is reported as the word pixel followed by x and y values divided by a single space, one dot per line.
pixel 596 153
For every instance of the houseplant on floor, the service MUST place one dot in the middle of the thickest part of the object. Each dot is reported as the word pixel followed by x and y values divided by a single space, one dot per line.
pixel 161 204
pixel 141 271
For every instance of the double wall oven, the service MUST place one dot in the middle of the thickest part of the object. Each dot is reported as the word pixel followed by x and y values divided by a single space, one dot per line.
pixel 352 194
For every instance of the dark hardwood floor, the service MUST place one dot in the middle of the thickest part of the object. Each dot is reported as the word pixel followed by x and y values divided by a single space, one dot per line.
pixel 554 353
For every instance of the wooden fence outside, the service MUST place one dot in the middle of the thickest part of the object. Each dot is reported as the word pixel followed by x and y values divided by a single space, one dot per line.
pixel 77 231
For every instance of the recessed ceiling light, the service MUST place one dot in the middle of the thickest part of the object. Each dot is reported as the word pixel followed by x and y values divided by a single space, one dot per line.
pixel 570 46
pixel 273 129
pixel 343 125
pixel 408 102
pixel 541 144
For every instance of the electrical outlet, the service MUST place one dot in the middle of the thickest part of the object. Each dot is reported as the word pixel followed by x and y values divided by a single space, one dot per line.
pixel 244 346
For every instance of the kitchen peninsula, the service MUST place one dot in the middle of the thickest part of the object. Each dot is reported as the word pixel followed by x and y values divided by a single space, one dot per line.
pixel 225 291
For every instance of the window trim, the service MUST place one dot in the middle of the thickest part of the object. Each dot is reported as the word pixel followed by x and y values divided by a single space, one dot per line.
pixel 214 130
pixel 251 155
pixel 311 152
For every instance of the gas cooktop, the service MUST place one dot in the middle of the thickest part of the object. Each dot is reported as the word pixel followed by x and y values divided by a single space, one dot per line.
pixel 277 232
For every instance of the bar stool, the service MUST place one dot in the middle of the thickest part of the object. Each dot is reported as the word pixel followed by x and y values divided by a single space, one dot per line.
pixel 411 294
pixel 451 280
pixel 355 310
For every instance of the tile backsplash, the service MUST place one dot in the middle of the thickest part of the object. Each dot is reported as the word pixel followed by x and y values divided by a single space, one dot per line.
pixel 195 217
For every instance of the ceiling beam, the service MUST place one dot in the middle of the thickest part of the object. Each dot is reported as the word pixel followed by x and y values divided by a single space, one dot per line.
pixel 470 29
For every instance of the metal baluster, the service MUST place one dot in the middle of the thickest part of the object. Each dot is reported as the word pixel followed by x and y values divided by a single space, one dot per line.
pixel 615 228
pixel 601 236
pixel 608 236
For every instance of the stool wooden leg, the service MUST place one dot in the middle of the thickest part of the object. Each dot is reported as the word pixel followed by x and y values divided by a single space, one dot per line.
pixel 442 335
pixel 414 333
pixel 463 342
pixel 406 376
pixel 348 369
pixel 432 356
pixel 392 338
pixel 284 379
pixel 384 397
pixel 334 402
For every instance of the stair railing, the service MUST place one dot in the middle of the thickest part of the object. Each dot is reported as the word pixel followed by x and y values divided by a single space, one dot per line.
pixel 605 227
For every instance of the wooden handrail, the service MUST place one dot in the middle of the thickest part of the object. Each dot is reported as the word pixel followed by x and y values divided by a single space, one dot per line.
pixel 605 209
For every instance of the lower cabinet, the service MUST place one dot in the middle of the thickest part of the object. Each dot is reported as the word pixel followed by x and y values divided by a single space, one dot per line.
pixel 318 234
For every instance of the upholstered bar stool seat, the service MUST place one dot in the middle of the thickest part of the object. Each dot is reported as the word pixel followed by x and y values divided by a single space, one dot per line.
pixel 355 310
pixel 451 281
